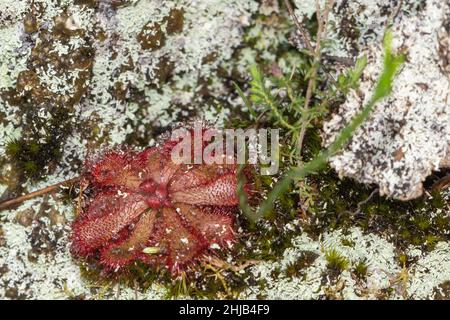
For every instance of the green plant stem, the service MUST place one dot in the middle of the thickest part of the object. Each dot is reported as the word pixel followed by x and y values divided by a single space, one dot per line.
pixel 316 164
pixel 382 90
pixel 269 101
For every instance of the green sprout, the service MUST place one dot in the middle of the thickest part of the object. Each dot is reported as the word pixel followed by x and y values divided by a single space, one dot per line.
pixel 336 261
pixel 383 89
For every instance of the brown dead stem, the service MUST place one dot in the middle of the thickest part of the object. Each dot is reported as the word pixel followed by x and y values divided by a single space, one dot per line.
pixel 322 17
pixel 8 203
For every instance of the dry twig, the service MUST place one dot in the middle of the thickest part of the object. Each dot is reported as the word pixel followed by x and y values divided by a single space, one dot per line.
pixel 395 13
pixel 11 202
pixel 321 34
pixel 304 34
pixel 441 183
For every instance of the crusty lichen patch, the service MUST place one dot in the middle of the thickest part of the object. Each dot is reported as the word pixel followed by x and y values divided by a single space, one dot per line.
pixel 371 271
pixel 430 272
pixel 151 63
pixel 35 260
pixel 76 76
pixel 407 136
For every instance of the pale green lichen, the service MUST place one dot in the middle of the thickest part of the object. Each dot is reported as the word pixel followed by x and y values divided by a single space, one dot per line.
pixel 104 49
pixel 11 64
pixel 383 274
pixel 54 275
pixel 314 281
pixel 211 32
pixel 393 148
pixel 354 24
pixel 430 271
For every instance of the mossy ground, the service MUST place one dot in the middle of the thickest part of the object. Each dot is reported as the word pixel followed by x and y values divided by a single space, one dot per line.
pixel 320 203
pixel 334 204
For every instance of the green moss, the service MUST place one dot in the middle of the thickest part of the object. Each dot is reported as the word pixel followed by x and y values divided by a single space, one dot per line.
pixel 13 148
pixel 420 222
pixel 29 157
pixel 360 269
pixel 348 243
pixel 199 282
pixel 437 200
pixel 403 258
pixel 297 268
pixel 33 147
pixel 30 167
pixel 335 261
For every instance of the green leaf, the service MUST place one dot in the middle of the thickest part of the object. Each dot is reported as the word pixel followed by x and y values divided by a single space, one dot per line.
pixel 382 90
pixel 261 95
pixel 245 99
pixel 356 73
pixel 351 79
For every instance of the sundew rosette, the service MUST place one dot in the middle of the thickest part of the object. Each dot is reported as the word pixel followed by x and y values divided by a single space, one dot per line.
pixel 143 206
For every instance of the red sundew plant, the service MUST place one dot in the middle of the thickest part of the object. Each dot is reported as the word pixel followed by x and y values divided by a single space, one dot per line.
pixel 145 207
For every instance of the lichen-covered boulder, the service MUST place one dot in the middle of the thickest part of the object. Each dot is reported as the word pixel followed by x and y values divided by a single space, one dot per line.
pixel 408 135
pixel 78 74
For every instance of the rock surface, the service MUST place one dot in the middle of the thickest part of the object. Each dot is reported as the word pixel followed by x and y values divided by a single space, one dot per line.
pixel 80 75
pixel 408 135
pixel 121 71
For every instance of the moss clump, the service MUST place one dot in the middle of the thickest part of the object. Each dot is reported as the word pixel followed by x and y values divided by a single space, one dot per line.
pixel 30 168
pixel 30 157
pixel 360 269
pixel 341 204
pixel 13 148
pixel 207 282
pixel 297 268
pixel 336 261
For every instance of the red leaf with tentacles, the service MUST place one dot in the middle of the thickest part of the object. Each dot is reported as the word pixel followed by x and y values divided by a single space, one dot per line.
pixel 145 207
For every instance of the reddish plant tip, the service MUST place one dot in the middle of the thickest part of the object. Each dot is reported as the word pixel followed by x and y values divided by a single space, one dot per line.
pixel 145 207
